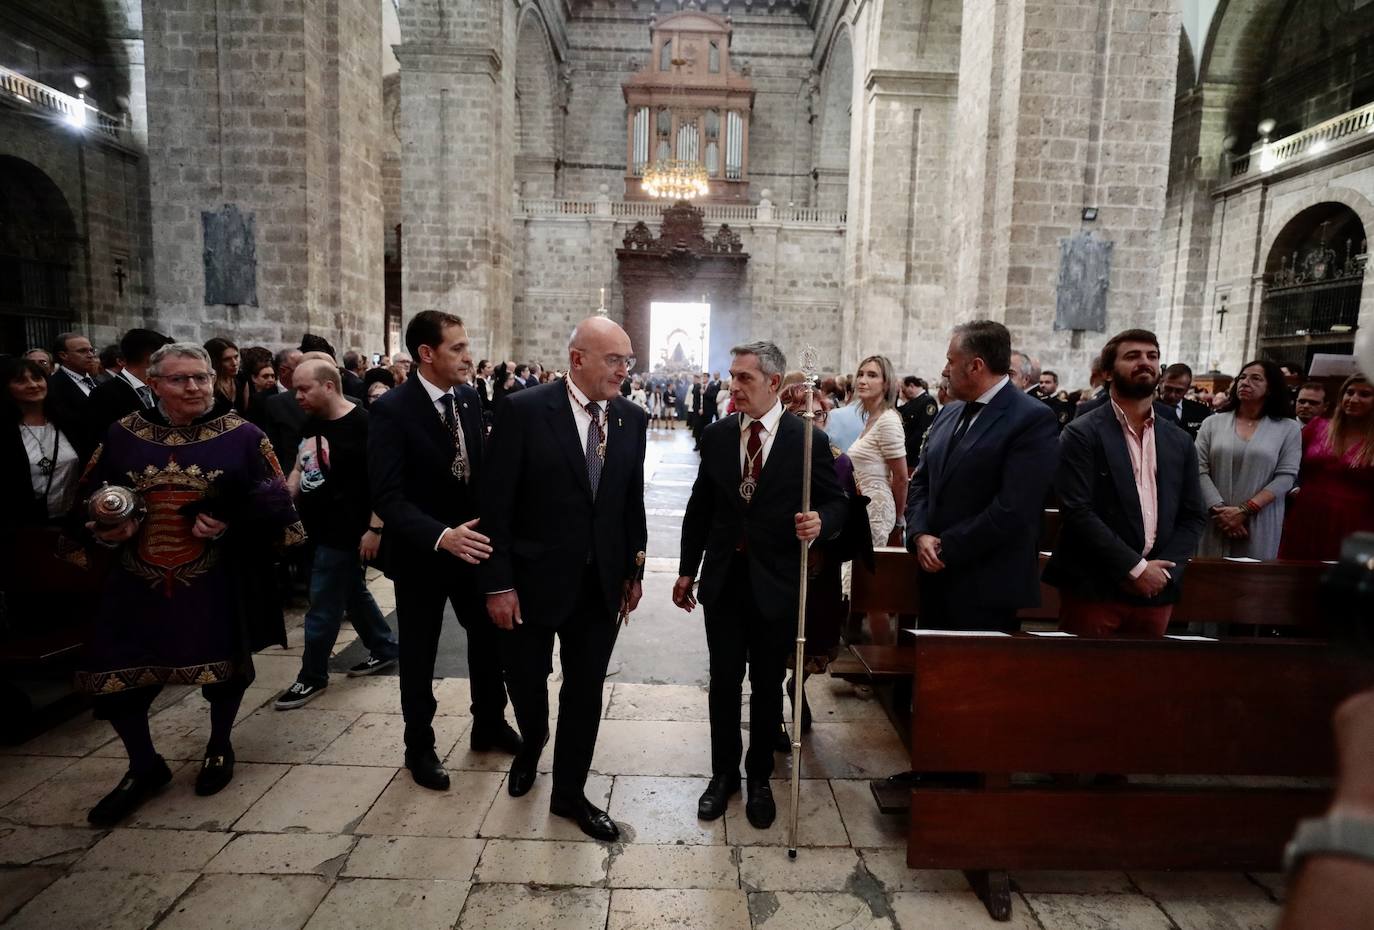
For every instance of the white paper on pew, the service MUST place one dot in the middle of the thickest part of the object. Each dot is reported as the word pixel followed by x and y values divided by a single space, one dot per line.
pixel 961 633
pixel 1194 639
pixel 1048 633
pixel 1240 558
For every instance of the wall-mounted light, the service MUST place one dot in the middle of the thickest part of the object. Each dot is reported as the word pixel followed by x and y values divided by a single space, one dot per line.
pixel 1089 214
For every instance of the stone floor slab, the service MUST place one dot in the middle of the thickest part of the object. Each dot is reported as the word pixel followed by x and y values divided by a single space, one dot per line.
pixel 179 807
pixel 19 886
pixel 1276 883
pixel 819 910
pixel 21 774
pixel 406 809
pixel 640 866
pixel 631 701
pixel 274 671
pixel 653 747
pixel 819 823
pixel 375 694
pixel 155 851
pixel 317 799
pixel 379 739
pixel 1223 914
pixel 865 824
pixel 769 868
pixel 678 909
pixel 102 901
pixel 247 902
pixel 833 700
pixel 68 795
pixel 502 907
pixel 284 854
pixel 851 749
pixel 1051 882
pixel 76 737
pixel 544 862
pixel 440 858
pixel 915 910
pixel 461 758
pixel 292 736
pixel 1094 912
pixel 56 846
pixel 660 810
pixel 1189 885
pixel 528 818
pixel 888 867
pixel 370 903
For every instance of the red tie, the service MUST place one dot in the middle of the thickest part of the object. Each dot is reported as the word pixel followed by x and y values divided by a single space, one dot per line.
pixel 753 451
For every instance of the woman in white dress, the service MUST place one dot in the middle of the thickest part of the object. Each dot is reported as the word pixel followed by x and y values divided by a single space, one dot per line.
pixel 637 395
pixel 879 459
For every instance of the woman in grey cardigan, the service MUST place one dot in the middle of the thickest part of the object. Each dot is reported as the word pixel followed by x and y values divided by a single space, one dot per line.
pixel 1249 458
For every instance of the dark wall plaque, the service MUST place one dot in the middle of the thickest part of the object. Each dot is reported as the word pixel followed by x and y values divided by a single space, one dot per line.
pixel 231 263
pixel 1085 266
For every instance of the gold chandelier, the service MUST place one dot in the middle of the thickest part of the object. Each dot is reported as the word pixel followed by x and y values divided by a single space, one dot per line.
pixel 676 179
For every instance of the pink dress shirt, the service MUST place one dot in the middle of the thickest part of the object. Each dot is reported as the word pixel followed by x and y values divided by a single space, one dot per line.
pixel 1144 468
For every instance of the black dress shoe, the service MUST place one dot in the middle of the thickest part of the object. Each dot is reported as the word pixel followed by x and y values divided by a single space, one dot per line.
pixel 132 790
pixel 593 821
pixel 499 736
pixel 216 771
pixel 781 741
pixel 759 806
pixel 717 796
pixel 427 770
pixel 522 774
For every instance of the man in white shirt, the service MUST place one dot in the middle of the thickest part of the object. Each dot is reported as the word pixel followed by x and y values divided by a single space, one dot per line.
pixel 73 379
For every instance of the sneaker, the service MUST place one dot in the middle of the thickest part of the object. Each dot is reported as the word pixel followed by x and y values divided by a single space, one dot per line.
pixel 370 665
pixel 298 694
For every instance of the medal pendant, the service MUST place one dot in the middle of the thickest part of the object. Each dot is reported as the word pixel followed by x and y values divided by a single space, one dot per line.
pixel 747 488
pixel 46 465
pixel 601 451
pixel 460 468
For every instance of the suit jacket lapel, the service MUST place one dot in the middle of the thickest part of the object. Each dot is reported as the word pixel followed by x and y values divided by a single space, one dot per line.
pixel 470 418
pixel 786 446
pixel 986 417
pixel 1123 475
pixel 560 417
pixel 430 421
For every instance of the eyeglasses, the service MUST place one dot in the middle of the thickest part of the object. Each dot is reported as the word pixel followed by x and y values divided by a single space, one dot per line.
pixel 180 381
pixel 615 361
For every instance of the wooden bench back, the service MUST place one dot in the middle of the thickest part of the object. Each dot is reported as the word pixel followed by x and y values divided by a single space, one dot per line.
pixel 1029 703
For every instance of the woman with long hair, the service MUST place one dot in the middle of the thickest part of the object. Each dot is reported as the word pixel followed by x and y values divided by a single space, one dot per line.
pixel 1249 456
pixel 225 363
pixel 879 459
pixel 1335 494
pixel 41 463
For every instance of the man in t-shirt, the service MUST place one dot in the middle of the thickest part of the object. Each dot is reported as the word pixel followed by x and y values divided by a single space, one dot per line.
pixel 330 487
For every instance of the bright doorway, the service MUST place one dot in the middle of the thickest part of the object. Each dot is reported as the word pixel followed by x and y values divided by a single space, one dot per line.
pixel 679 337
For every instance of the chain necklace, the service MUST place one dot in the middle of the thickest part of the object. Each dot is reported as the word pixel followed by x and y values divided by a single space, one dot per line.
pixel 749 484
pixel 601 421
pixel 46 464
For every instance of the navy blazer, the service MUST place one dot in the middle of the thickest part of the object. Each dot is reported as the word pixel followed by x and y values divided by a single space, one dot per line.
pixel 1102 535
pixel 537 505
pixel 985 499
pixel 410 456
pixel 718 519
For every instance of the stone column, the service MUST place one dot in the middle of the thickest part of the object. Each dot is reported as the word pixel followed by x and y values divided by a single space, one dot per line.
pixel 457 123
pixel 1079 104
pixel 275 110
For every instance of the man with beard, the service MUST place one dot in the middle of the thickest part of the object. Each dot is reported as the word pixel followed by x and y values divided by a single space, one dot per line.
pixel 1130 504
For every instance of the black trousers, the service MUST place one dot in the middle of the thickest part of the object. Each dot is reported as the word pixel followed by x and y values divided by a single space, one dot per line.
pixel 738 634
pixel 419 620
pixel 586 640
pixel 939 611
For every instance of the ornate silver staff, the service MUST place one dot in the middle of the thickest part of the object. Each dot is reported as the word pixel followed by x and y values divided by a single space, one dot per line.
pixel 810 363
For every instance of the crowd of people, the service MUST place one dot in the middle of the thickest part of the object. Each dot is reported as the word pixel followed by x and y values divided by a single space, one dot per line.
pixel 443 471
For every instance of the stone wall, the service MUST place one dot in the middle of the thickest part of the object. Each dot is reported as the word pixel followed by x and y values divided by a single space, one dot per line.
pixel 277 113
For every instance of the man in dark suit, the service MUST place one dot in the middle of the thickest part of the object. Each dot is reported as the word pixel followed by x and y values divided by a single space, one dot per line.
pixel 563 503
pixel 127 391
pixel 1047 392
pixel 744 515
pixel 352 374
pixel 72 380
pixel 283 418
pixel 424 457
pixel 710 398
pixel 974 509
pixel 1130 504
pixel 917 411
pixel 1173 391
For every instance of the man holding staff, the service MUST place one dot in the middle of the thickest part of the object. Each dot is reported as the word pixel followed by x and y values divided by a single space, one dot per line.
pixel 745 516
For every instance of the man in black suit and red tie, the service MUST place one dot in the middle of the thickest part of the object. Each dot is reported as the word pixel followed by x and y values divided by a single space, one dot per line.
pixel 744 516
pixel 563 503
pixel 424 458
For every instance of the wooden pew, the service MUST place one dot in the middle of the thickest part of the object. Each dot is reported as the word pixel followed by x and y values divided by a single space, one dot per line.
pixel 999 705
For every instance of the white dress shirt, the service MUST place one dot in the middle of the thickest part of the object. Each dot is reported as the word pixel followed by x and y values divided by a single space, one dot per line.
pixel 985 397
pixel 436 396
pixel 578 401
pixel 770 432
pixel 85 388
pixel 139 387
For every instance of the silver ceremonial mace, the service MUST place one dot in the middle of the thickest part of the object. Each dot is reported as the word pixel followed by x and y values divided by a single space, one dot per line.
pixel 810 363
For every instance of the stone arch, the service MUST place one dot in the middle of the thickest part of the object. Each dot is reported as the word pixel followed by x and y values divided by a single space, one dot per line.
pixel 537 108
pixel 39 257
pixel 1316 295
pixel 830 163
pixel 1236 54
